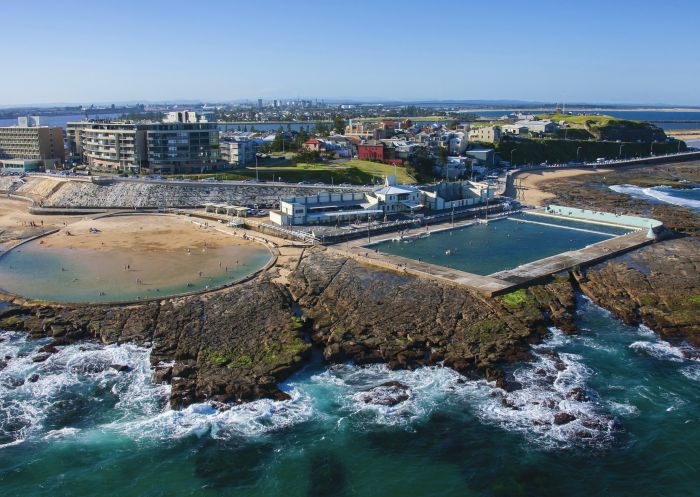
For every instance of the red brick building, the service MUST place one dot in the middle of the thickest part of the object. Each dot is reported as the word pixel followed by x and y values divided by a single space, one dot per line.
pixel 373 151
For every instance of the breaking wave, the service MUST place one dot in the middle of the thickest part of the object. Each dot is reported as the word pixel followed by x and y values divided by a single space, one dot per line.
pixel 660 194
pixel 71 390
pixel 89 387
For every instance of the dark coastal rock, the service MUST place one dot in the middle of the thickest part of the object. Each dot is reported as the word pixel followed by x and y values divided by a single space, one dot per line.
pixel 562 418
pixel 33 378
pixel 49 349
pixel 40 357
pixel 121 368
pixel 369 315
pixel 578 394
pixel 237 344
pixel 658 286
pixel 3 365
pixel 388 394
pixel 231 345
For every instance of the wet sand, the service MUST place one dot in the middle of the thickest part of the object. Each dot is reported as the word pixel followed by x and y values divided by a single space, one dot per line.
pixel 141 233
pixel 528 183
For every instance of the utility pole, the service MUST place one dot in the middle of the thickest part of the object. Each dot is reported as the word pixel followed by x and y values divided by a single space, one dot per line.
pixel 511 156
pixel 257 178
pixel 621 145
pixel 368 235
pixel 577 151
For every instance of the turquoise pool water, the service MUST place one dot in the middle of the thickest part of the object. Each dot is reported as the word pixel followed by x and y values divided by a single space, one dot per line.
pixel 488 248
pixel 82 429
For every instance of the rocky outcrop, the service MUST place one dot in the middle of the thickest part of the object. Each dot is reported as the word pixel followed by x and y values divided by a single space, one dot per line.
pixel 369 315
pixel 231 345
pixel 658 286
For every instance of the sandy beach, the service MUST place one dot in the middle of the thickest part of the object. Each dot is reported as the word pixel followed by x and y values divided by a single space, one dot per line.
pixel 684 134
pixel 141 233
pixel 528 184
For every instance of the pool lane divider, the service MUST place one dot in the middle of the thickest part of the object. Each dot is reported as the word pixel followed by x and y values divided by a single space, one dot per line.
pixel 562 227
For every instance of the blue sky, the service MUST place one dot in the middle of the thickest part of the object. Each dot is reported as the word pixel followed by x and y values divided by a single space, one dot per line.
pixel 613 51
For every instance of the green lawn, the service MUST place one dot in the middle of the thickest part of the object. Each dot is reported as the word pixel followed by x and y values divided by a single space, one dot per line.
pixel 354 172
pixel 596 119
pixel 381 170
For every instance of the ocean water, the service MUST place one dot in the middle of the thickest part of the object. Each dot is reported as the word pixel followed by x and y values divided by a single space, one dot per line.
pixel 689 198
pixel 505 244
pixel 81 428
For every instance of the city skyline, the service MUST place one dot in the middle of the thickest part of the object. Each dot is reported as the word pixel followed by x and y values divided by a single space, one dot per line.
pixel 165 52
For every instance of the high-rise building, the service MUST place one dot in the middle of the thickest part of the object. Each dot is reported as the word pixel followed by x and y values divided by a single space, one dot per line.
pixel 260 104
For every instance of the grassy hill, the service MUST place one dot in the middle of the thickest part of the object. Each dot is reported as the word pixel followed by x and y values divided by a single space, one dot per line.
pixel 603 127
pixel 354 172
pixel 536 151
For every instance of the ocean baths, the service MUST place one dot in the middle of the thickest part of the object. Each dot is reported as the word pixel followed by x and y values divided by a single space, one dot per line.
pixel 500 254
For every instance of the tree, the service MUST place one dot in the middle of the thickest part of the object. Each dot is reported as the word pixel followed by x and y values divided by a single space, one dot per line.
pixel 339 124
pixel 277 143
pixel 420 166
pixel 442 155
pixel 322 129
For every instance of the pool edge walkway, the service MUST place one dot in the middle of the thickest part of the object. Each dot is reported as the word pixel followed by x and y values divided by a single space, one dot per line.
pixel 503 281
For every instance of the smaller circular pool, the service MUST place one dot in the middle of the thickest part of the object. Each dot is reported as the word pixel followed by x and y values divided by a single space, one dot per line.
pixel 128 258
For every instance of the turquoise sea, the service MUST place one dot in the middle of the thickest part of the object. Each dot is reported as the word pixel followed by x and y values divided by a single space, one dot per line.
pixel 80 428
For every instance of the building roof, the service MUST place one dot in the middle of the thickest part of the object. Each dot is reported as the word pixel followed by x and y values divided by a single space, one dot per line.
pixel 532 123
pixel 394 190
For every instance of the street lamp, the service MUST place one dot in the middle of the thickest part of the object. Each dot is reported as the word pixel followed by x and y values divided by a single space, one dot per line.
pixel 577 151
pixel 257 178
pixel 621 145
pixel 511 156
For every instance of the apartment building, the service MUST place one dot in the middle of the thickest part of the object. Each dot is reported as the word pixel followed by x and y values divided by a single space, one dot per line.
pixel 25 148
pixel 182 147
pixel 237 152
pixel 157 147
pixel 485 134
pixel 108 146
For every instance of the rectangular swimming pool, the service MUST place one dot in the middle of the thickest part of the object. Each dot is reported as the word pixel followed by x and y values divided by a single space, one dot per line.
pixel 485 249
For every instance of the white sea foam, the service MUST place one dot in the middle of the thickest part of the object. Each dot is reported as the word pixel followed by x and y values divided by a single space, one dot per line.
pixel 662 350
pixel 656 193
pixel 343 396
pixel 203 419
pixel 554 386
pixel 363 402
pixel 31 391
pixel 692 372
